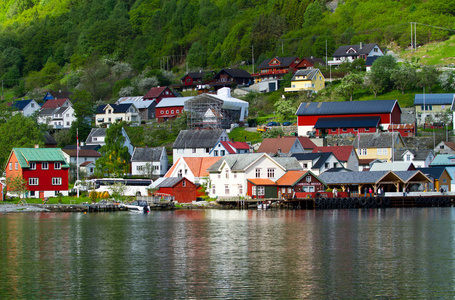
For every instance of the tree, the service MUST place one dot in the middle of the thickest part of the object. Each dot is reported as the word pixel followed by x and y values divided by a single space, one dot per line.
pixel 403 77
pixel 349 84
pixel 370 82
pixel 19 131
pixel 381 69
pixel 117 190
pixel 285 108
pixel 197 57
pixel 17 185
pixel 114 155
pixel 427 77
pixel 446 80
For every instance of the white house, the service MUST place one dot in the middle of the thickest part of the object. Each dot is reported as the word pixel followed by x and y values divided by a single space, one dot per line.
pixel 97 137
pixel 25 107
pixel 350 53
pixel 318 163
pixel 229 175
pixel 72 157
pixel 111 113
pixel 197 143
pixel 225 148
pixel 149 161
pixel 192 168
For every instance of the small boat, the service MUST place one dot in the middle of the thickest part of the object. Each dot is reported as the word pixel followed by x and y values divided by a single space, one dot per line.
pixel 138 206
pixel 263 206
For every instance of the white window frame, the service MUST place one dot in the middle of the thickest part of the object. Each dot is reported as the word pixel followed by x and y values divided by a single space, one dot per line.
pixel 45 165
pixel 57 166
pixel 33 166
pixel 33 181
pixel 56 180
pixel 270 172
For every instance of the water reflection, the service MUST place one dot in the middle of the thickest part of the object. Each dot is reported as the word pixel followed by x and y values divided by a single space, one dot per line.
pixel 391 253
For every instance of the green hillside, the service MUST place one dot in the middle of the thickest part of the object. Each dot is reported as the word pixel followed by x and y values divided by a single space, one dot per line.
pixel 57 42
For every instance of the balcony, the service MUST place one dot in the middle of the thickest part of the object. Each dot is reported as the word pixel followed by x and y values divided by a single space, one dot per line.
pixel 271 72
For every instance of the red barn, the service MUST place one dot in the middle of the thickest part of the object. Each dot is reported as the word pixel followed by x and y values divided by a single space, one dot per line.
pixel 158 93
pixel 347 117
pixel 299 184
pixel 170 108
pixel 181 188
pixel 44 169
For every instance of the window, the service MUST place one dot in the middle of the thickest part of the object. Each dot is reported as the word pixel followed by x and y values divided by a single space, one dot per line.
pixel 177 111
pixel 222 152
pixel 57 181
pixel 289 190
pixel 16 165
pixel 367 129
pixel 308 178
pixel 194 150
pixel 408 157
pixel 167 112
pixel 172 111
pixel 362 151
pixel 226 189
pixel 45 166
pixel 227 174
pixel 240 189
pixel 344 129
pixel 326 165
pixel 444 180
pixel 162 112
pixel 305 166
pixel 258 172
pixel 235 175
pixel 382 151
pixel 270 173
pixel 33 181
pixel 139 168
pixel 180 173
pixel 213 190
pixel 32 166
pixel 261 190
pixel 207 150
pixel 215 153
pixel 57 166
pixel 335 165
pixel 183 183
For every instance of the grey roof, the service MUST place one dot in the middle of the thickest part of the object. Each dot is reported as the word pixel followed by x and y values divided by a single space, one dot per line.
pixel 46 112
pixel 147 154
pixel 175 101
pixel 285 62
pixel 289 163
pixel 118 108
pixel 197 138
pixel 435 172
pixel 236 162
pixel 60 110
pixel 347 122
pixel 346 107
pixel 419 154
pixel 352 177
pixel 433 99
pixel 321 158
pixel 366 48
pixel 95 132
pixel 235 73
pixel 170 182
pixel 395 166
pixel 309 73
pixel 370 60
pixel 375 140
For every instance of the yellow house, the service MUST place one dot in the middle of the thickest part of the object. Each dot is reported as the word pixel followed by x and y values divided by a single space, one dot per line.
pixel 307 80
pixel 378 146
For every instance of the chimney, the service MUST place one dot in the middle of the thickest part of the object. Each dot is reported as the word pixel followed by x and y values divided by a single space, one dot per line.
pixel 360 45
pixel 36 146
pixel 279 151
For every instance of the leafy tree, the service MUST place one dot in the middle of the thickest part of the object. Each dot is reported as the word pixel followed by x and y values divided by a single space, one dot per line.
pixel 114 155
pixel 285 108
pixel 381 69
pixel 273 133
pixel 17 185
pixel 313 13
pixel 118 191
pixel 349 84
pixel 196 56
pixel 446 80
pixel 427 77
pixel 83 110
pixel 375 86
pixel 19 131
pixel 403 77
pixel 63 138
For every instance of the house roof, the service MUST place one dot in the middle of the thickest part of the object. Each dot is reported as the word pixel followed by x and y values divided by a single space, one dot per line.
pixel 171 181
pixel 197 138
pixel 235 73
pixel 147 154
pixel 376 140
pixel 342 50
pixel 236 162
pixel 401 126
pixel 419 154
pixel 155 92
pixel 313 60
pixel 290 178
pixel 346 107
pixel 272 145
pixel 370 177
pixel 347 122
pixel 197 75
pixel 261 181
pixel 54 103
pixel 370 60
pixel 305 141
pixel 308 73
pixel 82 153
pixel 433 99
pixel 289 163
pixel 59 94
pixel 435 172
pixel 197 165
pixel 232 146
pixel 395 166
pixel 84 147
pixel 443 160
pixel 138 102
pixel 20 104
pixel 451 145
pixel 26 155
pixel 173 101
pixel 95 132
pixel 284 62
pixel 342 153
pixel 320 157
pixel 86 163
pixel 118 108
pixel 46 112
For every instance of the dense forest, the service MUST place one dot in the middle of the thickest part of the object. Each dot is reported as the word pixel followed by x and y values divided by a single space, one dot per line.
pixel 104 46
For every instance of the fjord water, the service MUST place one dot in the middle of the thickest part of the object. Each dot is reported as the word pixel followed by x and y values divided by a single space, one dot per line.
pixel 246 254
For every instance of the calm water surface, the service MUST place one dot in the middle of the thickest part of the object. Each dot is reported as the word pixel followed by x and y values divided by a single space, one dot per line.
pixel 209 254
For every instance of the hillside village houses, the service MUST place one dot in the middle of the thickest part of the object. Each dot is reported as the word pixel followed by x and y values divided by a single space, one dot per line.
pixel 149 161
pixel 25 107
pixel 350 53
pixel 433 107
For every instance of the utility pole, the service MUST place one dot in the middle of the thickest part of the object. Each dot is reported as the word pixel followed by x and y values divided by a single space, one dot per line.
pixel 252 56
pixel 412 45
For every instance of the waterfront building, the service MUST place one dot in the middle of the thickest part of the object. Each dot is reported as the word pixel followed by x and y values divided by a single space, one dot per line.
pixel 149 162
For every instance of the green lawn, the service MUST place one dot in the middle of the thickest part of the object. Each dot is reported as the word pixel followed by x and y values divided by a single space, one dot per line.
pixel 239 134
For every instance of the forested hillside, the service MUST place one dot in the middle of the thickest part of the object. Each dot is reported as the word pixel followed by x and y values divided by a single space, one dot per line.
pixel 56 41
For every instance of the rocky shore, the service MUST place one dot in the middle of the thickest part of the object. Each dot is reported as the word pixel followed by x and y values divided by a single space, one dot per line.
pixel 6 208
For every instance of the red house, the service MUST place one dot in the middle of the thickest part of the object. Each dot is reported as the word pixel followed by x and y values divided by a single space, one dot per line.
pixel 336 118
pixel 309 63
pixel 44 169
pixel 170 108
pixel 158 93
pixel 276 68
pixel 299 184
pixel 405 130
pixel 195 80
pixel 181 188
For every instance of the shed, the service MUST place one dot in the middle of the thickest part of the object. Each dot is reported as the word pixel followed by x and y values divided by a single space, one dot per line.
pixel 181 188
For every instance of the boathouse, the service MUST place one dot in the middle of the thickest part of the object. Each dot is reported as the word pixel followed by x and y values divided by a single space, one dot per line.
pixel 181 188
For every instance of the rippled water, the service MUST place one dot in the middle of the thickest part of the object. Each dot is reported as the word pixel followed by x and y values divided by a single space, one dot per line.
pixel 229 254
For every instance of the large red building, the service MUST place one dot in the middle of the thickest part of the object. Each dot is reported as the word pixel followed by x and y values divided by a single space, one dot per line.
pixel 337 118
pixel 45 171
pixel 181 188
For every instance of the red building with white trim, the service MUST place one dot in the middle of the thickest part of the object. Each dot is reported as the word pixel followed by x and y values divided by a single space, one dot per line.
pixel 181 188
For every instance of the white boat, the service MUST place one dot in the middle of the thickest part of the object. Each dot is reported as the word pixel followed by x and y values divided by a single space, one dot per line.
pixel 138 206
pixel 263 206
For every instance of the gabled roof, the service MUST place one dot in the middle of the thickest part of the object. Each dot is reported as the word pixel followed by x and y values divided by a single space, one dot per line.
pixel 147 154
pixel 235 73
pixel 275 145
pixel 376 140
pixel 320 158
pixel 27 155
pixel 197 138
pixel 435 172
pixel 343 50
pixel 289 163
pixel 20 105
pixel 419 154
pixel 59 94
pixel 171 181
pixel 433 99
pixel 82 153
pixel 395 166
pixel 342 153
pixel 155 92
pixel 232 146
pixel 284 62
pixel 291 178
pixel 451 145
pixel 236 162
pixel 197 75
pixel 313 60
pixel 308 73
pixel 347 122
pixel 443 160
pixel 86 163
pixel 95 132
pixel 347 107
pixel 197 165
pixel 173 101
pixel 118 108
pixel 138 102
pixel 305 141
pixel 54 103
pixel 261 181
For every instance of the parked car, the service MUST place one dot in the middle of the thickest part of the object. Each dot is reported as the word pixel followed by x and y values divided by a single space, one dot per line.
pixel 287 123
pixel 273 124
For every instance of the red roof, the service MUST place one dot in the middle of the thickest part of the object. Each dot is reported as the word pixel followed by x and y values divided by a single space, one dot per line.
pixel 261 181
pixel 306 142
pixel 291 178
pixel 86 163
pixel 54 103
pixel 342 153
pixel 231 146
pixel 272 145
pixel 197 165
pixel 82 153
pixel 155 92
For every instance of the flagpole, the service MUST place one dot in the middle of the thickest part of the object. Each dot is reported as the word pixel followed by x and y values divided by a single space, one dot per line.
pixel 77 160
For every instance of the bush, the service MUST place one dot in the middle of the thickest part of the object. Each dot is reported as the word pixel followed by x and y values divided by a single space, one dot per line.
pixel 93 196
